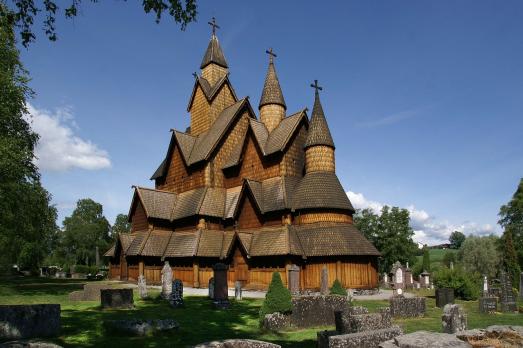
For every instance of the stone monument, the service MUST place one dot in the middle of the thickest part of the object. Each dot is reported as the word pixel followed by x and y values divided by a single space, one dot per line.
pixel 238 290
pixel 167 280
pixel 211 288
pixel 176 298
pixel 425 279
pixel 507 299
pixel 485 286
pixel 324 281
pixel 142 287
pixel 454 319
pixel 221 293
pixel 398 275
pixel 444 296
pixel 294 279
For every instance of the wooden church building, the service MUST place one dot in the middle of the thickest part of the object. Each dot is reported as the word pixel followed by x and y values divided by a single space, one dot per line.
pixel 257 192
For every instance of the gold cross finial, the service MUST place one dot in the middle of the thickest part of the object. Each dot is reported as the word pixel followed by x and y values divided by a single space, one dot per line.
pixel 213 24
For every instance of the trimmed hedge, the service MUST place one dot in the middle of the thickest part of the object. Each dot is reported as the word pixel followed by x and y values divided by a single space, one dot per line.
pixel 337 289
pixel 277 299
pixel 466 285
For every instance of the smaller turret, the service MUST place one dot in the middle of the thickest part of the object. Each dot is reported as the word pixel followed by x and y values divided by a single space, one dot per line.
pixel 319 146
pixel 214 66
pixel 272 105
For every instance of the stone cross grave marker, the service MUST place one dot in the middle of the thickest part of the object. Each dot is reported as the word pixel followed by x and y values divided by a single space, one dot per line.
pixel 324 284
pixel 167 280
pixel 294 279
pixel 176 298
pixel 142 287
pixel 508 300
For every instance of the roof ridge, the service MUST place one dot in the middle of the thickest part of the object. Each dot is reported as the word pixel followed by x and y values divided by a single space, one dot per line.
pixel 142 246
pixel 167 245
pixel 144 206
pixel 198 238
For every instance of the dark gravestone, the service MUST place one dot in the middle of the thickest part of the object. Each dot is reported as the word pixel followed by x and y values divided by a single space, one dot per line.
pixel 488 305
pixel 176 297
pixel 294 279
pixel 444 296
pixel 316 310
pixel 221 293
pixel 507 299
pixel 403 307
pixel 116 298
pixel 28 321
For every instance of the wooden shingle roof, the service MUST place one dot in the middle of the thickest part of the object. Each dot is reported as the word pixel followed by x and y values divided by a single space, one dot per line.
pixel 319 133
pixel 320 190
pixel 271 93
pixel 214 54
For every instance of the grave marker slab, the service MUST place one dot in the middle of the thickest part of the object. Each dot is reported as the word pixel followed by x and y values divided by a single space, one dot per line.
pixel 454 318
pixel 238 290
pixel 142 287
pixel 294 279
pixel 116 298
pixel 444 296
pixel 488 305
pixel 167 280
pixel 211 288
pixel 324 281
pixel 508 299
pixel 221 295
pixel 176 298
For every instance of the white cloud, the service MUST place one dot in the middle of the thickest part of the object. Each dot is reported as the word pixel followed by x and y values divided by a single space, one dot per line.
pixel 59 148
pixel 427 229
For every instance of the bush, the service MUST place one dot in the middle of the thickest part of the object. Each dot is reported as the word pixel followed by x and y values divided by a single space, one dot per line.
pixel 337 289
pixel 277 299
pixel 81 269
pixel 466 285
pixel 450 256
pixel 93 269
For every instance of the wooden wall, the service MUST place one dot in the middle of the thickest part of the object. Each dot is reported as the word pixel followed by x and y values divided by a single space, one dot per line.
pixel 312 217
pixel 354 273
pixel 293 161
pixel 204 113
pixel 139 219
pixel 249 216
pixel 179 178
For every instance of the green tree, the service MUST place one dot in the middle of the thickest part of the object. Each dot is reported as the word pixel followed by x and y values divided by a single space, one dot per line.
pixel 426 258
pixel 84 231
pixel 511 216
pixel 277 299
pixel 509 257
pixel 23 14
pixel 481 255
pixel 456 239
pixel 450 256
pixel 121 225
pixel 337 289
pixel 390 233
pixel 27 219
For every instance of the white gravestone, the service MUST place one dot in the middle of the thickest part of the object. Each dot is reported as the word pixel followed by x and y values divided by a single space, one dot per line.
pixel 167 280
pixel 485 285
pixel 399 276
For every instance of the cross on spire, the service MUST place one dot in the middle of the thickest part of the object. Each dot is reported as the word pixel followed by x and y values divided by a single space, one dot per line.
pixel 316 86
pixel 195 75
pixel 213 24
pixel 271 54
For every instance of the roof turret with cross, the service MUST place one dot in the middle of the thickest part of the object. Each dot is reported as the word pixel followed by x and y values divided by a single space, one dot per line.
pixel 214 53
pixel 319 133
pixel 271 93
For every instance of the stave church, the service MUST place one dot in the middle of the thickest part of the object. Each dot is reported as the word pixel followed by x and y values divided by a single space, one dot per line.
pixel 257 191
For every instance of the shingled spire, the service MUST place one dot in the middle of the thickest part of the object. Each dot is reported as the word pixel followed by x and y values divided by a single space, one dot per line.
pixel 319 146
pixel 272 105
pixel 214 66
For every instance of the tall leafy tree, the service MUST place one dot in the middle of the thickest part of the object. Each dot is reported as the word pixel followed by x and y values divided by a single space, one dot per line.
pixel 510 259
pixel 26 12
pixel 481 255
pixel 390 233
pixel 511 217
pixel 27 219
pixel 426 258
pixel 84 231
pixel 121 225
pixel 456 239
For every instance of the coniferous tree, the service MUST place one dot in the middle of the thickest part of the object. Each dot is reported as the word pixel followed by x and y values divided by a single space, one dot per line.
pixel 510 261
pixel 277 299
pixel 511 216
pixel 426 259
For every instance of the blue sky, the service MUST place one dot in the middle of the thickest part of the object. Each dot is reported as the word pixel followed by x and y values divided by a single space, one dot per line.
pixel 424 98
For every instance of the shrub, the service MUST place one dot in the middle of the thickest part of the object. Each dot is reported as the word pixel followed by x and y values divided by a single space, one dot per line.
pixel 337 289
pixel 81 269
pixel 277 299
pixel 466 285
pixel 93 269
pixel 450 256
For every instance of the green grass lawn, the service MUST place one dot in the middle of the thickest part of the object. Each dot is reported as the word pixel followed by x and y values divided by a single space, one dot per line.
pixel 82 321
pixel 436 257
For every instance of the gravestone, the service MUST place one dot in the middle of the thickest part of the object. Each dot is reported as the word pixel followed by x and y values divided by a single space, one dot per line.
pixel 454 318
pixel 485 286
pixel 176 298
pixel 398 275
pixel 142 287
pixel 116 298
pixel 508 299
pixel 425 279
pixel 444 296
pixel 385 279
pixel 221 295
pixel 294 279
pixel 211 288
pixel 324 281
pixel 167 280
pixel 238 290
pixel 521 286
pixel 28 321
pixel 488 304
pixel 407 307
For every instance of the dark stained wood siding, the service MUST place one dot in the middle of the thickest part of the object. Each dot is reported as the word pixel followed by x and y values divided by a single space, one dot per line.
pixel 249 216
pixel 179 178
pixel 139 219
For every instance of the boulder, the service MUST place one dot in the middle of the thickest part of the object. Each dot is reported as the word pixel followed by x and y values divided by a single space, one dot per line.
pixel 238 343
pixel 426 339
pixel 116 298
pixel 141 327
pixel 28 321
pixel 454 318
pixel 276 321
pixel 28 344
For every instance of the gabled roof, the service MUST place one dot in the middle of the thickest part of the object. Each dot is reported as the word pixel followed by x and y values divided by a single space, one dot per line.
pixel 124 241
pixel 320 190
pixel 319 133
pixel 325 239
pixel 209 91
pixel 271 93
pixel 213 54
pixel 156 203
